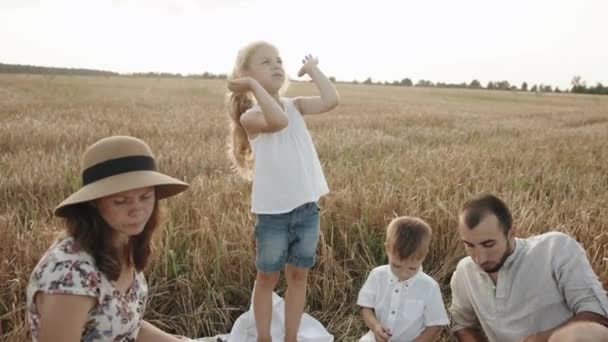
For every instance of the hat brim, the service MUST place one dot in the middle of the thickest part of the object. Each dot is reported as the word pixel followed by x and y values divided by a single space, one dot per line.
pixel 165 187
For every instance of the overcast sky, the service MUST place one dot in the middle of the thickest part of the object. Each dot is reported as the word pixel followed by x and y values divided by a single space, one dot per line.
pixel 538 41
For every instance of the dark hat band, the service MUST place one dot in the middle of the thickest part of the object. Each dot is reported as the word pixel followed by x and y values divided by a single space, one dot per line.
pixel 117 166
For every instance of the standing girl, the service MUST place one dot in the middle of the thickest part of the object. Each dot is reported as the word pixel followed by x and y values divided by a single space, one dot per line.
pixel 271 144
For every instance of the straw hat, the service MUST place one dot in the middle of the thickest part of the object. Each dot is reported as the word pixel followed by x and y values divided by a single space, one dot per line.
pixel 116 164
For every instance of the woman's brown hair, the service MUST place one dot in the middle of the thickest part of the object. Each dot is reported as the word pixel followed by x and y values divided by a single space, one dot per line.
pixel 91 233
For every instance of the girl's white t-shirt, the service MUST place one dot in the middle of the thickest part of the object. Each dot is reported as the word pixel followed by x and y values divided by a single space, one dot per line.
pixel 287 171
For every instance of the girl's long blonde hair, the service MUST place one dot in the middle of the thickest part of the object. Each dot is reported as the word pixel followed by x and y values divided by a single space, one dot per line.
pixel 239 149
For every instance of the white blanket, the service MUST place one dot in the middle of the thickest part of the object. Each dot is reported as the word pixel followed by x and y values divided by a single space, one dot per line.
pixel 244 329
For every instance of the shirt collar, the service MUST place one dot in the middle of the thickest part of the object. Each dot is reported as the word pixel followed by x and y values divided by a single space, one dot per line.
pixel 393 279
pixel 517 252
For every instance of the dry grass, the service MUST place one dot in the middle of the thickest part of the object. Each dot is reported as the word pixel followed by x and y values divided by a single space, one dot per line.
pixel 386 151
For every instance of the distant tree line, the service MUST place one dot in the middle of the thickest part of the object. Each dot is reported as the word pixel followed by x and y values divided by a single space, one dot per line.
pixel 31 69
pixel 205 75
pixel 208 76
pixel 578 85
pixel 155 75
pixel 474 84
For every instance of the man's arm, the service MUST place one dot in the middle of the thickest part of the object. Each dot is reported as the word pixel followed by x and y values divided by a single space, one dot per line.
pixel 465 322
pixel 429 334
pixel 543 336
pixel 578 282
pixel 469 335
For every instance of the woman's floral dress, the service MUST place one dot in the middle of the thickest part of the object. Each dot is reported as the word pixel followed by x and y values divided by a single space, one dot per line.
pixel 67 269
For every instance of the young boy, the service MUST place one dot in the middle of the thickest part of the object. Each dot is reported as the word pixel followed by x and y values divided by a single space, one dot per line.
pixel 400 302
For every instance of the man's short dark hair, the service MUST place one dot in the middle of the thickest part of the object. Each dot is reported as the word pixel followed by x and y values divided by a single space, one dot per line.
pixel 477 208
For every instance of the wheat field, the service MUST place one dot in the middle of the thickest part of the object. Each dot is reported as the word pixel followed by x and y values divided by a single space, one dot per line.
pixel 385 151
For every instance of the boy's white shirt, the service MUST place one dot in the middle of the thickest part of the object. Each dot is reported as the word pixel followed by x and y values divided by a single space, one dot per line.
pixel 405 307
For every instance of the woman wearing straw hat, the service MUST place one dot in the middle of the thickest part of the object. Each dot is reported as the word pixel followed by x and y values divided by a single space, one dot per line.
pixel 89 285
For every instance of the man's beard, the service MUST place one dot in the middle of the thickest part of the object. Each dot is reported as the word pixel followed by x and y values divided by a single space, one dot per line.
pixel 502 260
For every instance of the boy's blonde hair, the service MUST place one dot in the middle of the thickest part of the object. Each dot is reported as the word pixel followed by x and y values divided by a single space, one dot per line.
pixel 408 237
pixel 239 149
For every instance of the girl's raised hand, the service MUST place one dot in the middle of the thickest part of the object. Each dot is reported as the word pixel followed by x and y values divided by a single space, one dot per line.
pixel 241 85
pixel 308 63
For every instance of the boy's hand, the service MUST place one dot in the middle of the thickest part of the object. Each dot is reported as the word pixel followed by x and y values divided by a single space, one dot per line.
pixel 309 62
pixel 381 334
pixel 534 338
pixel 241 85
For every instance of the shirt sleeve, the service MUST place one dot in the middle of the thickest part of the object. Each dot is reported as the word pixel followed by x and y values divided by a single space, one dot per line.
pixel 434 309
pixel 368 292
pixel 578 282
pixel 75 277
pixel 463 314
